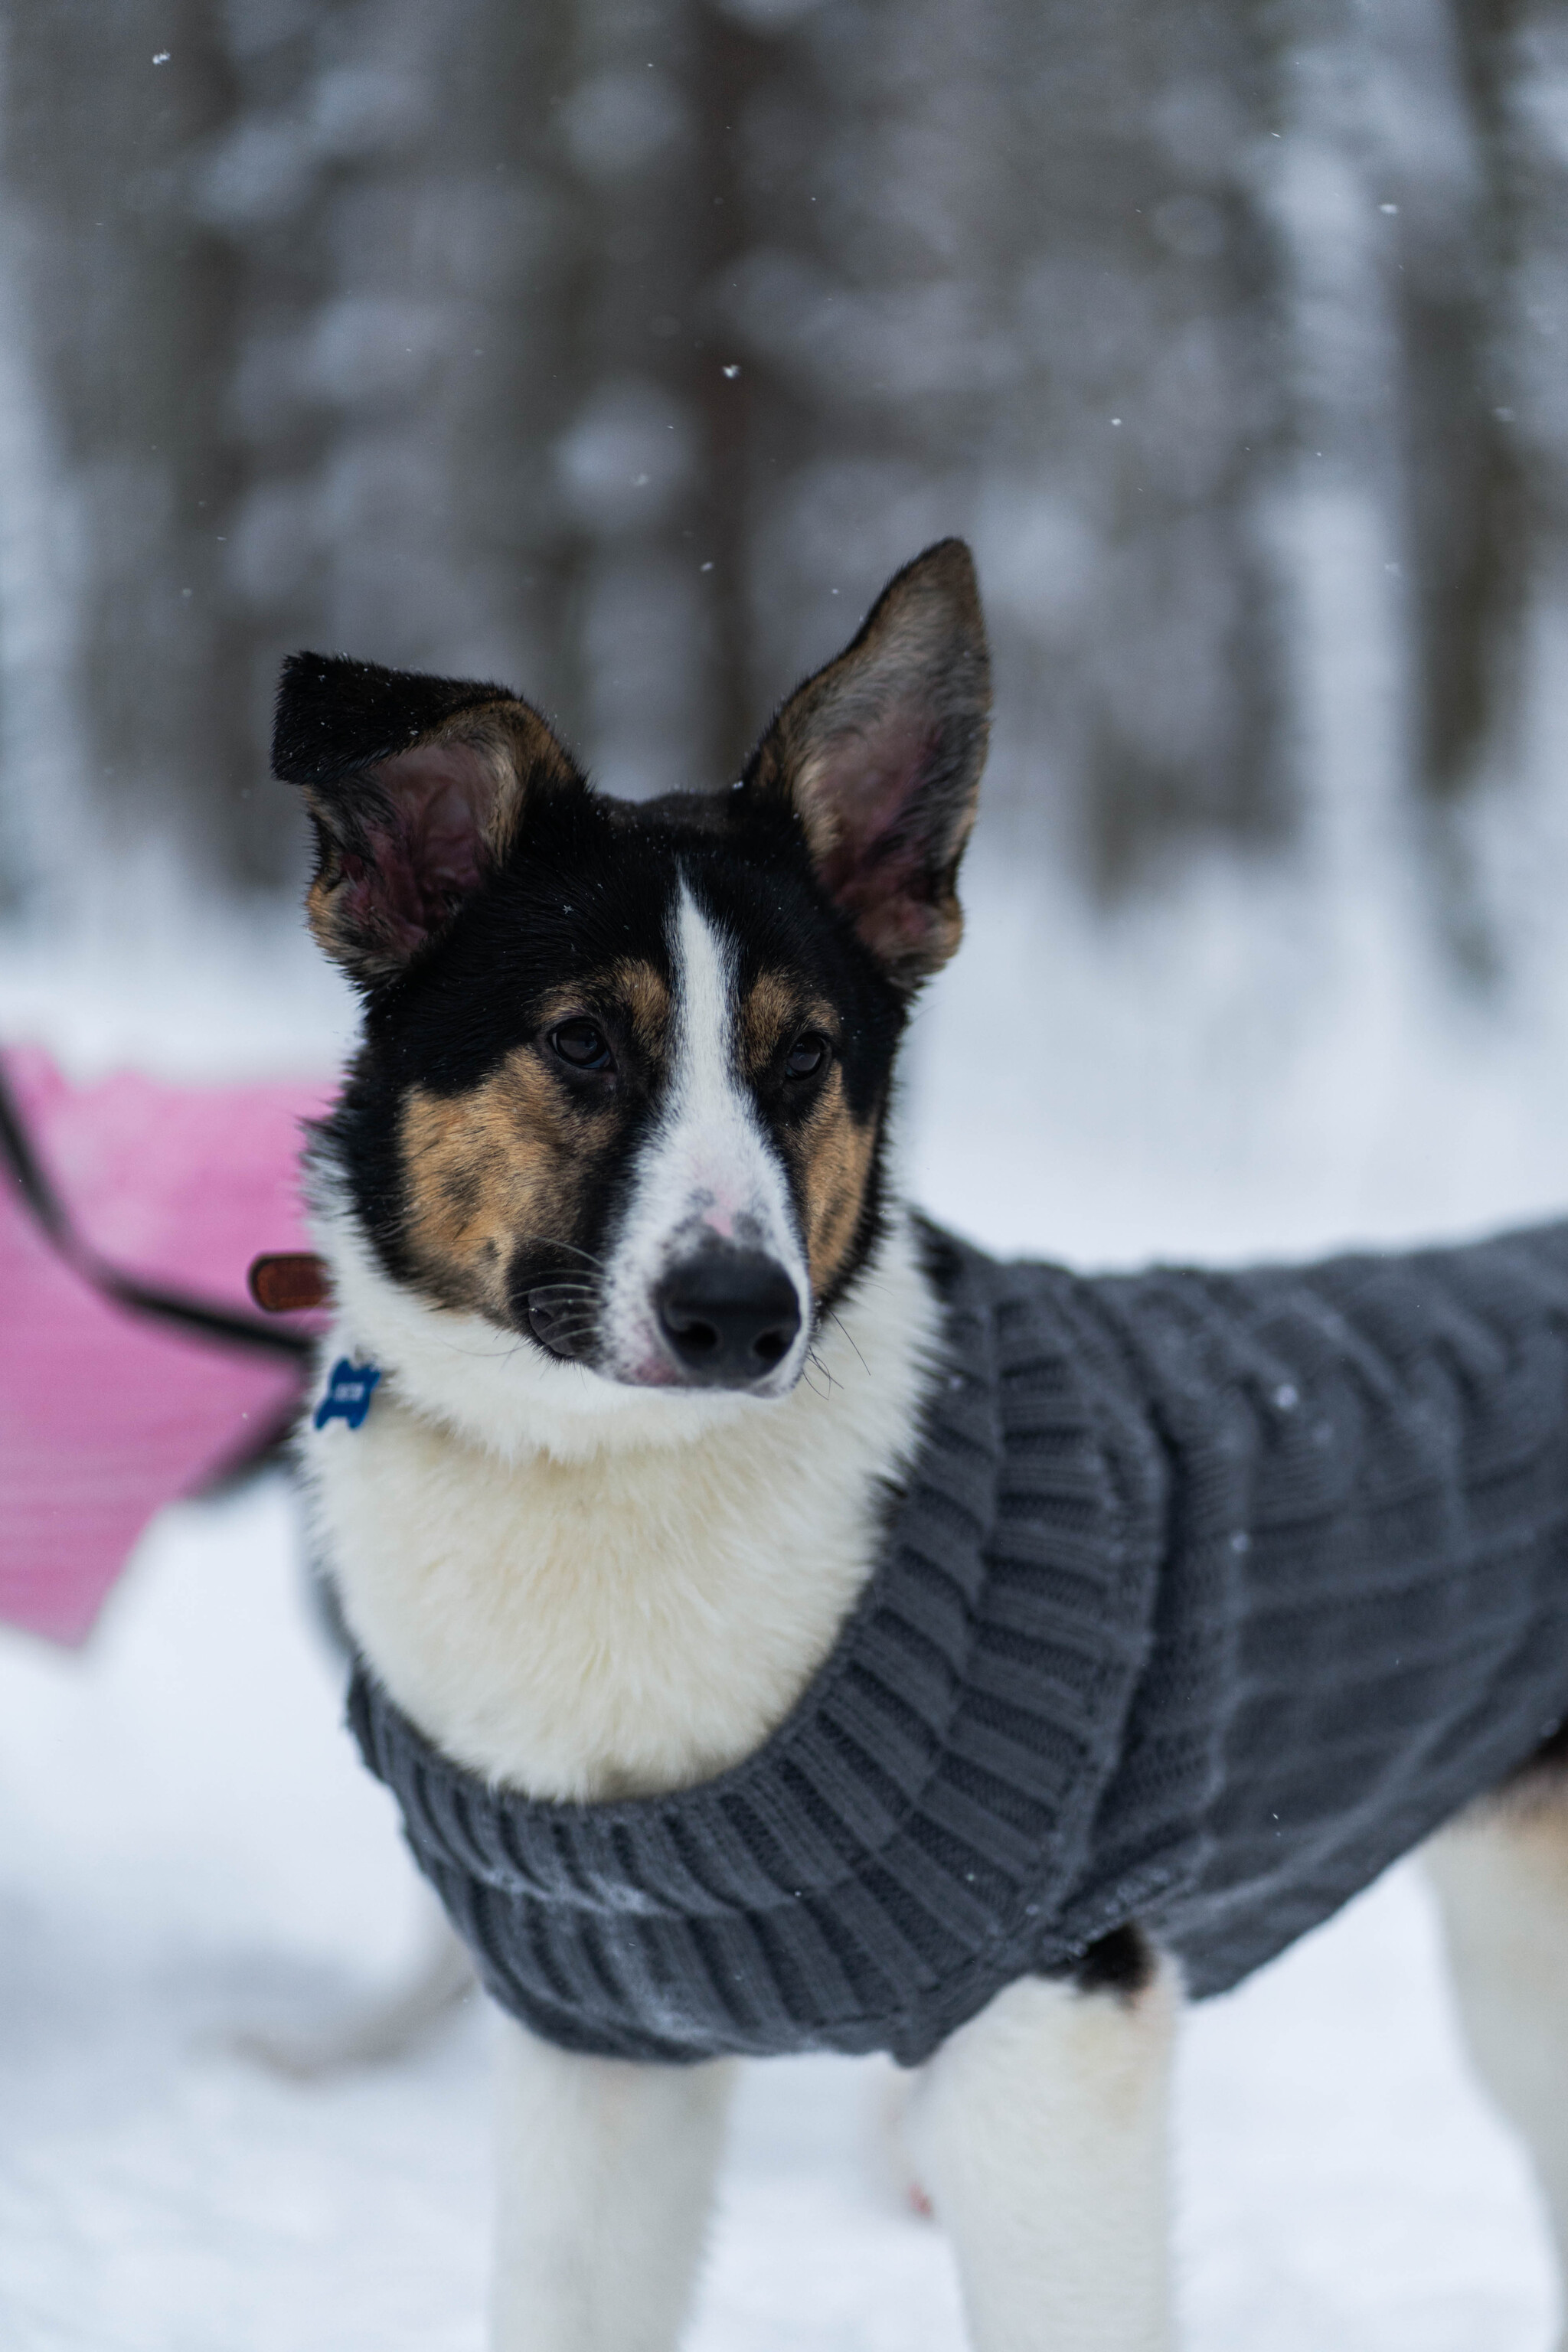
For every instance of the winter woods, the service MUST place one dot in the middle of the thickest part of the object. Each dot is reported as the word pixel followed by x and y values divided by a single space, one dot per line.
pixel 619 351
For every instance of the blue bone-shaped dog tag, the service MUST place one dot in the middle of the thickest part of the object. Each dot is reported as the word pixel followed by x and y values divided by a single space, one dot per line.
pixel 349 1394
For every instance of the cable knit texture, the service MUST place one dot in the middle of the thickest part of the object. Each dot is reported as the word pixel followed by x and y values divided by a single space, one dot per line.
pixel 1210 1595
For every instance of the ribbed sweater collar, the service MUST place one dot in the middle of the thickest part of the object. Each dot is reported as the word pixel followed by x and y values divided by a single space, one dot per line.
pixel 968 1782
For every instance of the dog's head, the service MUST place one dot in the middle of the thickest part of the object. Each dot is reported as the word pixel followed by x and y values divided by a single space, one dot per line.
pixel 625 1066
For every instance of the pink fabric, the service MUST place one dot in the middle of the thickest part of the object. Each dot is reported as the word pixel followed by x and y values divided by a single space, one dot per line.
pixel 104 1415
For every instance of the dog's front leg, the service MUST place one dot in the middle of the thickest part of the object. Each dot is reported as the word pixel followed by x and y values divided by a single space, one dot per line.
pixel 1040 2133
pixel 605 2178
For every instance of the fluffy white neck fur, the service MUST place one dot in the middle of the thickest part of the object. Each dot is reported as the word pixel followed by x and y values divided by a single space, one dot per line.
pixel 580 1591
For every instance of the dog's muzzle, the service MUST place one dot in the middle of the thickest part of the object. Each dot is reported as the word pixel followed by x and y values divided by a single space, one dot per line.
pixel 727 1318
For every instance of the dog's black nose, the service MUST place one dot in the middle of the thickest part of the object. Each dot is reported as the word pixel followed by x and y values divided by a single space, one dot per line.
pixel 728 1316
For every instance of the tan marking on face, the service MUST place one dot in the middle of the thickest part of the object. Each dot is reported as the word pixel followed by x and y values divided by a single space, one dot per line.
pixel 773 1006
pixel 830 1152
pixel 630 995
pixel 502 1162
pixel 833 1152
pixel 646 998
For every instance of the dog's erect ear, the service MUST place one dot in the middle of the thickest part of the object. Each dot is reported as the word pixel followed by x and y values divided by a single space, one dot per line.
pixel 881 753
pixel 415 786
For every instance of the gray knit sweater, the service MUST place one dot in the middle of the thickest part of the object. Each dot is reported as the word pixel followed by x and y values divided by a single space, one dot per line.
pixel 1209 1596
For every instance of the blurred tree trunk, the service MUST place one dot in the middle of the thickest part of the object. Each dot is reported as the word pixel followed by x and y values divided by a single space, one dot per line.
pixel 132 306
pixel 304 283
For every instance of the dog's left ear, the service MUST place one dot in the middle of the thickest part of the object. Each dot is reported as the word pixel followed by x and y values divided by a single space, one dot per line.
pixel 880 755
pixel 415 786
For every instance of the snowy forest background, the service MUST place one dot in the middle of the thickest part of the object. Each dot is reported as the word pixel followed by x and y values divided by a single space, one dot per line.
pixel 619 349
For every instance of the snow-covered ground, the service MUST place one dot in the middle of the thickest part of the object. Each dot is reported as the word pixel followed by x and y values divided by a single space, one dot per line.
pixel 189 1854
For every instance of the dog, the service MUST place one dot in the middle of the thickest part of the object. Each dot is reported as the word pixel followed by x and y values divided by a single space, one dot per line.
pixel 784 1628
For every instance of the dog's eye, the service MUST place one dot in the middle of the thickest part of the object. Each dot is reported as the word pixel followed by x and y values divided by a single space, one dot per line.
pixel 582 1046
pixel 807 1055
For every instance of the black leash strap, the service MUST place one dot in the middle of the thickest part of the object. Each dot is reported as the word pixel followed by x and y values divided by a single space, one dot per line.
pixel 223 1327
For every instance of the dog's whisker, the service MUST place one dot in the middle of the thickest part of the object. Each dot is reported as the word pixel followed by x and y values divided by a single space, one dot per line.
pixel 849 1335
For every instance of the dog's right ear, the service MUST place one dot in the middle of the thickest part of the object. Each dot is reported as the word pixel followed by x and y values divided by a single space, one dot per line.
pixel 414 787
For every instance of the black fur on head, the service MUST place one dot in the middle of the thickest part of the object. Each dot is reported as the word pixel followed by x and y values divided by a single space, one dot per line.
pixel 513 930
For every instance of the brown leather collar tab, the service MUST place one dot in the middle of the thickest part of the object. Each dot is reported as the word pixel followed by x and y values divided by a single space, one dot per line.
pixel 288 1282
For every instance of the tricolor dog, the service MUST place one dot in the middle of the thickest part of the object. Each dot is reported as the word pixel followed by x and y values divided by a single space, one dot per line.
pixel 786 1627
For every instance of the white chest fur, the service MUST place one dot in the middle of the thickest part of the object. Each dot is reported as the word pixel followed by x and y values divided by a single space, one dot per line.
pixel 603 1603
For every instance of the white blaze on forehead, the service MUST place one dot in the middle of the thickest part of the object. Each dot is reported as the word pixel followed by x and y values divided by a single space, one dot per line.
pixel 710 1129
pixel 707 1173
pixel 710 1165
